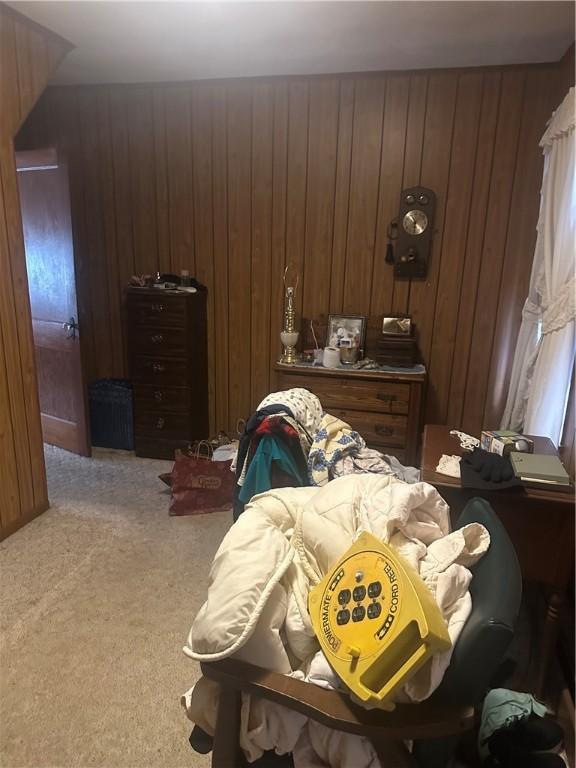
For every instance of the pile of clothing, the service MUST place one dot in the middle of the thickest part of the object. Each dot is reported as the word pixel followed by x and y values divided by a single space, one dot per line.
pixel 256 608
pixel 516 731
pixel 273 451
pixel 290 442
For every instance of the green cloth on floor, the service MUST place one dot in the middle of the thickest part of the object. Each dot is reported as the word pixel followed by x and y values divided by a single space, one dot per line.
pixel 501 708
pixel 259 476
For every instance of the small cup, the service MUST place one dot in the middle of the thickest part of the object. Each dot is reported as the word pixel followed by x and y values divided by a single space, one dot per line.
pixel 348 355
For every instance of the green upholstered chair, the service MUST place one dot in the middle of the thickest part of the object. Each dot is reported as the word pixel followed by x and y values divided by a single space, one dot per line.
pixel 434 725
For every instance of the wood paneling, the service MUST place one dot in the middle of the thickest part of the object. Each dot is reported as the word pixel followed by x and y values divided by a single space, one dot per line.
pixel 261 261
pixel 28 54
pixel 391 169
pixel 239 130
pixel 364 184
pixel 236 179
pixel 342 194
pixel 496 228
pixel 456 218
pixel 480 183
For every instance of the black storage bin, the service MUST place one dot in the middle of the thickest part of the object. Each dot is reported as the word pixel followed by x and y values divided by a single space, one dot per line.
pixel 111 420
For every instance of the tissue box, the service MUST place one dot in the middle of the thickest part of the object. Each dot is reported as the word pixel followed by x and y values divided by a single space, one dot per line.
pixel 503 441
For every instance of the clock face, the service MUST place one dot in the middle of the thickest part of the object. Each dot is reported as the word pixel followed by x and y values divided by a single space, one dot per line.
pixel 415 222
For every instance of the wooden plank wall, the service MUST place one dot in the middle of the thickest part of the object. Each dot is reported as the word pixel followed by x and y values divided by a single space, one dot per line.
pixel 233 179
pixel 28 54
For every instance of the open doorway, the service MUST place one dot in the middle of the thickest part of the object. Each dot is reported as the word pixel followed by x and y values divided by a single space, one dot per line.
pixel 46 221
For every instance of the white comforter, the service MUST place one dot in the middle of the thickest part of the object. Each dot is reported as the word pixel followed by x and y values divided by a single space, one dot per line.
pixel 280 547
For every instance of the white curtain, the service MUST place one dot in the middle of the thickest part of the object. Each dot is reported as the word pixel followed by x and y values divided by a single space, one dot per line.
pixel 544 357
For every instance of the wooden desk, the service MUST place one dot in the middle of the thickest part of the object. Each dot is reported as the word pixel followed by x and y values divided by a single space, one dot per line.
pixel 539 522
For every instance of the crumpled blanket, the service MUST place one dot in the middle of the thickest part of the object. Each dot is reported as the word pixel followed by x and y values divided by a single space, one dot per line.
pixel 369 460
pixel 256 607
pixel 332 441
pixel 302 404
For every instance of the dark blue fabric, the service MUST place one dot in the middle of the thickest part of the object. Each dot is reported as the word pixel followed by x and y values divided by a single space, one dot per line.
pixel 271 449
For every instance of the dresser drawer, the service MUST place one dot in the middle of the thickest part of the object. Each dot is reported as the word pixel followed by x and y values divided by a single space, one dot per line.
pixel 353 394
pixel 169 342
pixel 163 425
pixel 378 429
pixel 162 311
pixel 160 370
pixel 158 448
pixel 161 399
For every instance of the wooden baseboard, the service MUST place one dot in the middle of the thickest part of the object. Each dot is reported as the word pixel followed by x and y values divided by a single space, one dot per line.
pixel 15 525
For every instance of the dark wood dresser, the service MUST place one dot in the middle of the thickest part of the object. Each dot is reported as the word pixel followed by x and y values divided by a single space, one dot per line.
pixel 385 408
pixel 168 366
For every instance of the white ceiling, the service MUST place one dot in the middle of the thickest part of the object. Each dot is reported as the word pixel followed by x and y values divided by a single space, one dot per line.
pixel 166 41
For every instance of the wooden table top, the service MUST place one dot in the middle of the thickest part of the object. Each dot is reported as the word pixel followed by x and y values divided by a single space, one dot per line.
pixel 438 440
pixel 319 370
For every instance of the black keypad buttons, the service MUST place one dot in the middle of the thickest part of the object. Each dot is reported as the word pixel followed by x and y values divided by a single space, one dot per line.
pixel 344 596
pixel 374 589
pixel 343 617
pixel 358 613
pixel 359 593
pixel 374 610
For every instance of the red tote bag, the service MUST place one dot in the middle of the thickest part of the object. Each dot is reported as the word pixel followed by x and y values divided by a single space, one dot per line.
pixel 200 485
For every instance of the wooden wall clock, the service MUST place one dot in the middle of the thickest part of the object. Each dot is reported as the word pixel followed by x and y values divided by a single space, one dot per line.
pixel 415 229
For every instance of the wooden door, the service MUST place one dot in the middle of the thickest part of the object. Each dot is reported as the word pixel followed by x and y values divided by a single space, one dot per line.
pixel 46 221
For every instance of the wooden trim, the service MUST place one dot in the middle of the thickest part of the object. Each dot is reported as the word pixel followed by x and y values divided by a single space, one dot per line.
pixel 415 423
pixel 335 709
pixel 226 749
pixel 226 81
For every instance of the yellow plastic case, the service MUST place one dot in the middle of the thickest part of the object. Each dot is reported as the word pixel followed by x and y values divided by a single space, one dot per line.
pixel 376 620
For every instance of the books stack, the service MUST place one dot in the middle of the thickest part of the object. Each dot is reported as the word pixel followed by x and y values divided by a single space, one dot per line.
pixel 539 468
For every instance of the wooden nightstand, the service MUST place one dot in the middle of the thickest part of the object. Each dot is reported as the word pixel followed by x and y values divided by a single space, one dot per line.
pixel 384 407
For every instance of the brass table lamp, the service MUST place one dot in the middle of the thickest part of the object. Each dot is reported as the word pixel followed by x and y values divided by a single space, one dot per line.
pixel 289 336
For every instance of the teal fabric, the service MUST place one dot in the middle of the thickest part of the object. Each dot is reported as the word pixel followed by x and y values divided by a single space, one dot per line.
pixel 501 708
pixel 259 476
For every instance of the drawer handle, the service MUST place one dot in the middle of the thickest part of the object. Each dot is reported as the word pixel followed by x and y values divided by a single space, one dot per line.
pixel 158 396
pixel 160 423
pixel 158 367
pixel 387 398
pixel 380 429
pixel 157 307
pixel 157 338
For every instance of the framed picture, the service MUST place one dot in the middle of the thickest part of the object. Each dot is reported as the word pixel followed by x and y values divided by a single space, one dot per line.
pixel 397 325
pixel 346 331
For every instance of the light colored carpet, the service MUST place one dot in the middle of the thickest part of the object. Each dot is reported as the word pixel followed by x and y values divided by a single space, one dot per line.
pixel 96 598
